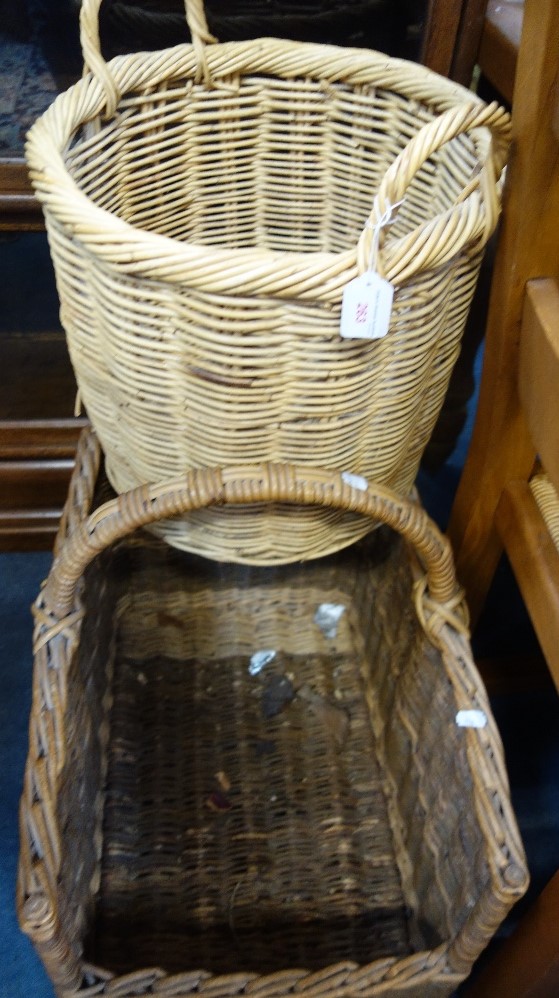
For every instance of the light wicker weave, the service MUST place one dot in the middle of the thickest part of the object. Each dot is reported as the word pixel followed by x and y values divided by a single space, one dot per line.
pixel 547 500
pixel 206 206
pixel 176 840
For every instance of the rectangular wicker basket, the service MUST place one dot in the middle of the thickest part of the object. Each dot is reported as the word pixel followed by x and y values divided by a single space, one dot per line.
pixel 233 787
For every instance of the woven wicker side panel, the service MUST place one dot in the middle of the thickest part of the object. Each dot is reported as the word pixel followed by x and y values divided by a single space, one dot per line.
pixel 441 352
pixel 62 801
pixel 271 164
pixel 446 851
pixel 174 407
pixel 79 800
pixel 431 778
pixel 547 500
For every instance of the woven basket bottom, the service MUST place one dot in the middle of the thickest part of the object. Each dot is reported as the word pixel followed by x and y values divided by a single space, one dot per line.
pixel 233 839
pixel 296 865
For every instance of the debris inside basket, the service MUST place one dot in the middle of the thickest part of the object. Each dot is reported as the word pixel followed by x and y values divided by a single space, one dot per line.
pixel 327 617
pixel 333 717
pixel 276 695
pixel 224 781
pixel 217 801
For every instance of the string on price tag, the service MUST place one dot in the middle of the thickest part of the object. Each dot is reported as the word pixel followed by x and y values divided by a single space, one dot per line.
pixel 367 300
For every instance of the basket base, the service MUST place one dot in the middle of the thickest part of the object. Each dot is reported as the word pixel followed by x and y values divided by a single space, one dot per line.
pixel 267 535
pixel 246 821
pixel 276 868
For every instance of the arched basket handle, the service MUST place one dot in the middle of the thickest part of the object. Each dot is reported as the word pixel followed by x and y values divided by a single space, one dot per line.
pixel 89 535
pixel 438 239
pixel 93 58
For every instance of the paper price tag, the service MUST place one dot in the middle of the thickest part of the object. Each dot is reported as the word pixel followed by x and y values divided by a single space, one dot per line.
pixel 471 719
pixel 366 308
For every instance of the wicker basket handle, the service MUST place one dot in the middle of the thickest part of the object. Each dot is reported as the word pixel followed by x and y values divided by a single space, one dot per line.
pixel 93 58
pixel 242 485
pixel 438 239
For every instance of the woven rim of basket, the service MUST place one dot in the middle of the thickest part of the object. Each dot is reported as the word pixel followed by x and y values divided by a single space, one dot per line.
pixel 437 593
pixel 255 271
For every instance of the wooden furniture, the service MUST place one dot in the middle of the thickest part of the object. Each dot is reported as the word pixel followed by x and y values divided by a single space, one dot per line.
pixel 527 964
pixel 501 448
pixel 460 33
pixel 38 433
pixel 500 501
pixel 487 35
pixel 499 43
pixel 526 513
pixel 19 209
pixel 37 389
pixel 36 460
pixel 452 35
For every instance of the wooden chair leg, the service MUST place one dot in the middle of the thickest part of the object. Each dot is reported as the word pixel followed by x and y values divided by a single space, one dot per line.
pixel 500 449
pixel 452 36
pixel 535 562
pixel 441 32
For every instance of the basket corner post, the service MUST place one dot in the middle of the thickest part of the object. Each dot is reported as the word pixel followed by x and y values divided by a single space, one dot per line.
pixel 40 921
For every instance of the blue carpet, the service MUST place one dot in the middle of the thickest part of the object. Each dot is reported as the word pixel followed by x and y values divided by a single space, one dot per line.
pixel 21 973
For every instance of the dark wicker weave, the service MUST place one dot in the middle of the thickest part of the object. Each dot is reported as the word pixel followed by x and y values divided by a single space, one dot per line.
pixel 132 24
pixel 323 826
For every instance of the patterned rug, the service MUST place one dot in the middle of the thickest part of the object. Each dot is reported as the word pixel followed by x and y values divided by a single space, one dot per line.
pixel 44 59
pixel 27 87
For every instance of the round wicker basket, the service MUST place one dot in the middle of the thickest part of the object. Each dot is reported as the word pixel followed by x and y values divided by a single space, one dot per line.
pixel 206 207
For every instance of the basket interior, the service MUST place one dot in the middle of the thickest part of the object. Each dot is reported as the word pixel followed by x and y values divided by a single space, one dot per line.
pixel 293 817
pixel 291 865
pixel 262 162
pixel 235 835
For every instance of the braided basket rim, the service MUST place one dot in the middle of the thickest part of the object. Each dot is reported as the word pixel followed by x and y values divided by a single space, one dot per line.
pixel 153 255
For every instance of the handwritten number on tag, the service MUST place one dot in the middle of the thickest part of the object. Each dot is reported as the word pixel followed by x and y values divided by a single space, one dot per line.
pixel 366 307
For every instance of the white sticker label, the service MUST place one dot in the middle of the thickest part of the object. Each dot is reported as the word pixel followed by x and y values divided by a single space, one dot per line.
pixel 260 660
pixel 471 719
pixel 328 616
pixel 355 481
pixel 366 307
